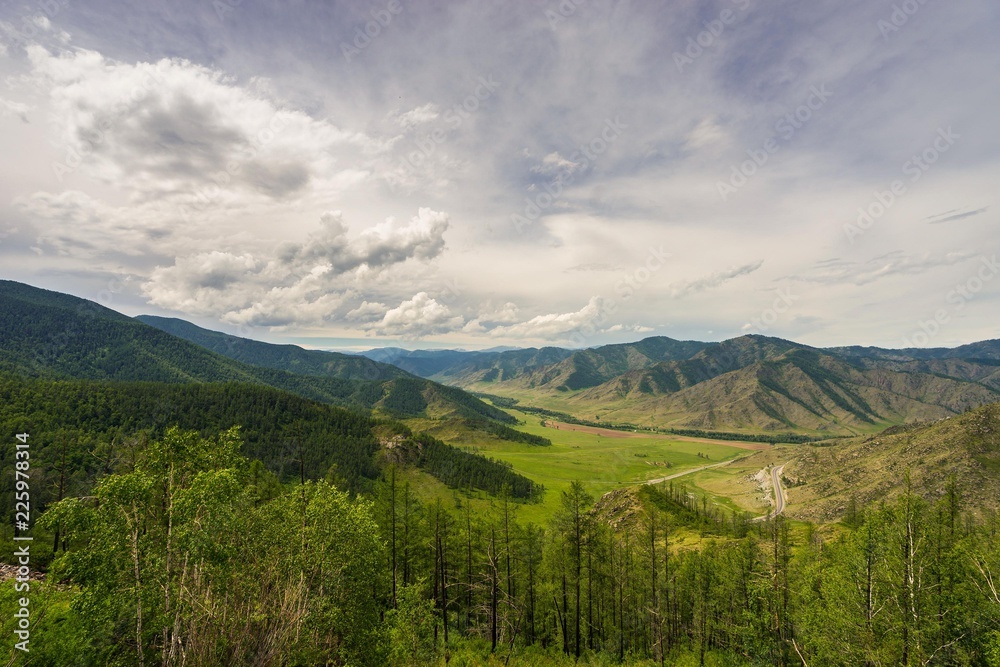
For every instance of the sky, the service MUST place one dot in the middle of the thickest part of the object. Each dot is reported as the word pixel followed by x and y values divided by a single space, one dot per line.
pixel 351 175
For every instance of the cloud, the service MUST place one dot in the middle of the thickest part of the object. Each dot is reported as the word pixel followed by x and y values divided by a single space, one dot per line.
pixel 418 116
pixel 182 136
pixel 839 271
pixel 955 216
pixel 682 289
pixel 633 328
pixel 415 318
pixel 553 326
pixel 707 133
pixel 176 130
pixel 72 223
pixel 367 312
pixel 297 283
pixel 18 109
pixel 385 244
pixel 505 314
pixel 489 318
pixel 554 165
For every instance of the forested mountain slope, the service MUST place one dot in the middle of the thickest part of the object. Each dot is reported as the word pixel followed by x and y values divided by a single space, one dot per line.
pixel 291 358
pixel 52 335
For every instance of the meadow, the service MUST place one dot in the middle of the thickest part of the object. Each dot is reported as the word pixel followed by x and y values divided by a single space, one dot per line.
pixel 601 462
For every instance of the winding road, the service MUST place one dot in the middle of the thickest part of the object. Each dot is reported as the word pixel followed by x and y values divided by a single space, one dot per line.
pixel 779 493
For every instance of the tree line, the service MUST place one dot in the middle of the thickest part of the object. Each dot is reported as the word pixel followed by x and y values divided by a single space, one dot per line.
pixel 195 554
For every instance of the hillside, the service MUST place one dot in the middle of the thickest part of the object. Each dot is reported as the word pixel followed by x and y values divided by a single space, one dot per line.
pixel 758 383
pixel 86 429
pixel 800 388
pixel 594 366
pixel 291 358
pixel 871 469
pixel 46 334
pixel 987 349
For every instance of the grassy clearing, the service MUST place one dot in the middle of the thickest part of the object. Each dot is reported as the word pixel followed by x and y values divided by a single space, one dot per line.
pixel 601 463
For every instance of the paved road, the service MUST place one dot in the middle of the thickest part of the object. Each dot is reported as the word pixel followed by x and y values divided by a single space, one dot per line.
pixel 779 493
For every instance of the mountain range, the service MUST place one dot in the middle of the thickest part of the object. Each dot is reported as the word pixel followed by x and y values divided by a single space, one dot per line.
pixel 50 335
pixel 752 383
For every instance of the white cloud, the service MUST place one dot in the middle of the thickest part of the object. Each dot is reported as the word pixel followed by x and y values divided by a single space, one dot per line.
pixel 838 271
pixel 382 245
pixel 554 326
pixel 418 116
pixel 681 289
pixel 8 108
pixel 554 164
pixel 177 130
pixel 417 317
pixel 633 328
pixel 708 133
pixel 298 283
pixel 367 312
pixel 505 314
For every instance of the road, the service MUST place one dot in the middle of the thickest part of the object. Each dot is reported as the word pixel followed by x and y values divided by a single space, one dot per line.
pixel 779 493
pixel 688 472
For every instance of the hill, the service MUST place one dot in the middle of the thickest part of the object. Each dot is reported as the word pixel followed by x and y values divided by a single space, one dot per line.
pixel 84 429
pixel 830 482
pixel 46 334
pixel 547 368
pixel 291 358
pixel 755 383
pixel 594 366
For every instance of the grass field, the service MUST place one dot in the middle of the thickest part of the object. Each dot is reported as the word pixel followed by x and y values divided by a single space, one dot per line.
pixel 600 462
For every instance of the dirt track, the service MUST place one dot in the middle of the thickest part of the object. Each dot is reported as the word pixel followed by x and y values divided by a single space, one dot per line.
pixel 611 433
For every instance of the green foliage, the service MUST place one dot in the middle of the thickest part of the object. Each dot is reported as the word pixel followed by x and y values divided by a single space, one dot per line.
pixel 51 335
pixel 59 638
pixel 460 469
pixel 88 429
pixel 509 434
pixel 410 628
pixel 179 560
pixel 289 358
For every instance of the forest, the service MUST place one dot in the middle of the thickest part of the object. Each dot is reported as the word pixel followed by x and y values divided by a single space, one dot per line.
pixel 191 553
